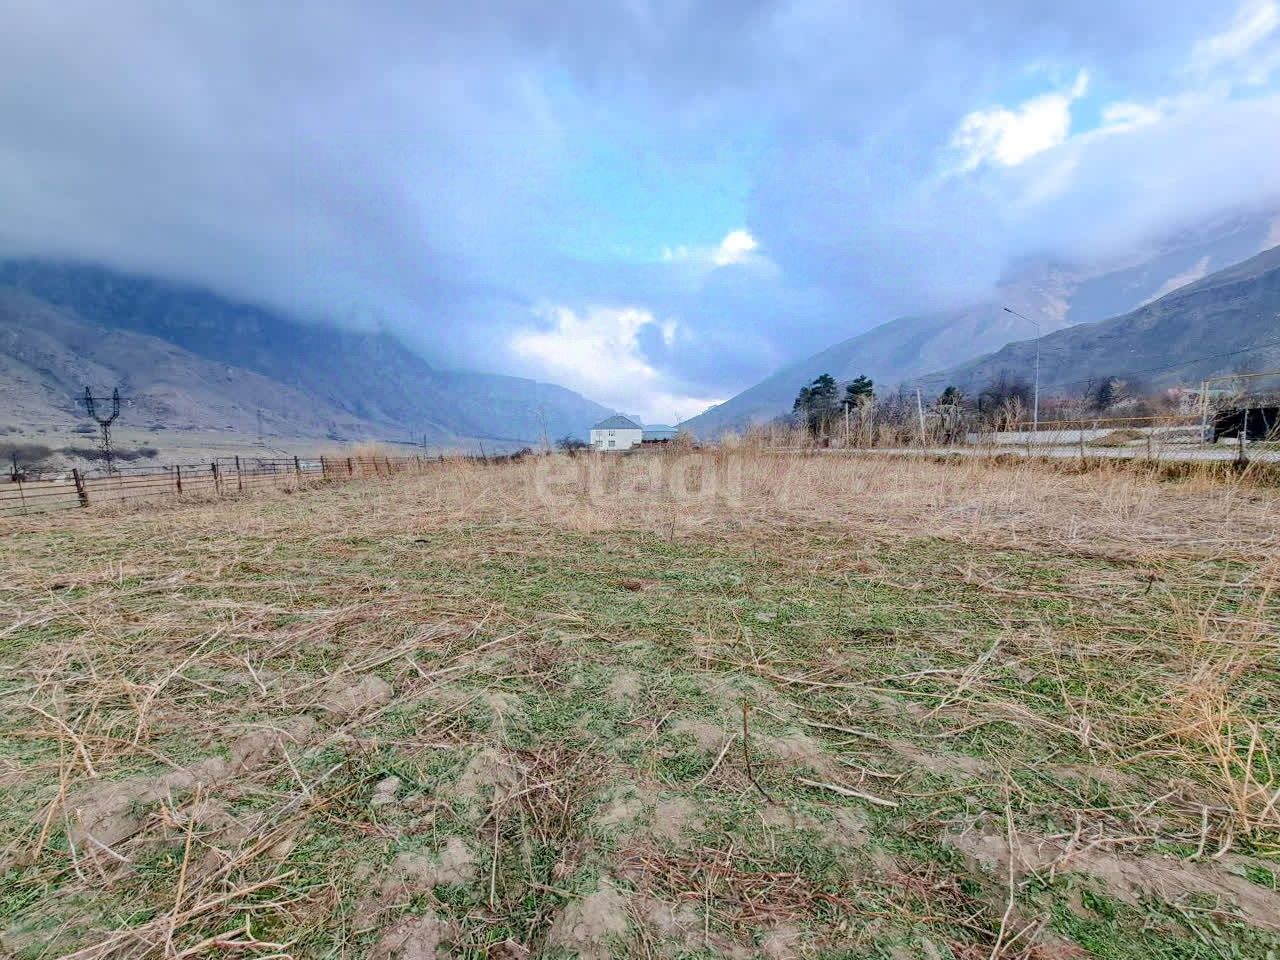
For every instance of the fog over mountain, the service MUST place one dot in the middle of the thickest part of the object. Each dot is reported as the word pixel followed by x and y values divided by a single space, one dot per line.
pixel 655 204
pixel 1057 295
pixel 1226 322
pixel 191 359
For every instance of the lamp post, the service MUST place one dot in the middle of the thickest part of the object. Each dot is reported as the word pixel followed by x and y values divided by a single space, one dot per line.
pixel 1035 406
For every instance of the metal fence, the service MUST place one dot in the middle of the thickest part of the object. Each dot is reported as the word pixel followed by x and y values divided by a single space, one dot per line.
pixel 29 492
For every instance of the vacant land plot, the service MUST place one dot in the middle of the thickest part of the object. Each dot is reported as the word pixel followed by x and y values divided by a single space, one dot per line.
pixel 727 705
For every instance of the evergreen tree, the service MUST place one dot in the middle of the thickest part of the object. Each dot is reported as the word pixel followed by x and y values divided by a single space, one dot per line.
pixel 950 397
pixel 859 389
pixel 816 404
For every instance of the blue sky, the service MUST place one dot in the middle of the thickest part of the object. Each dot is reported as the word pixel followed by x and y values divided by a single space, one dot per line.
pixel 652 202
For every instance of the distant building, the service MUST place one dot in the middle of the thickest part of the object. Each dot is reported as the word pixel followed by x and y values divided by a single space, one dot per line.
pixel 616 433
pixel 659 433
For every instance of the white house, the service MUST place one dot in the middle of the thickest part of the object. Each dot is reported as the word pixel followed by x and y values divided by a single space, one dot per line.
pixel 616 433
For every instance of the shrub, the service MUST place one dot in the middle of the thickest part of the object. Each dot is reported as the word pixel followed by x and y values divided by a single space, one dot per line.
pixel 27 454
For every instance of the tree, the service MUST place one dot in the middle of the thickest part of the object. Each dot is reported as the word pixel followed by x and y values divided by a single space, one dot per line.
pixel 950 397
pixel 571 444
pixel 1110 392
pixel 859 390
pixel 816 404
pixel 1004 388
pixel 1004 400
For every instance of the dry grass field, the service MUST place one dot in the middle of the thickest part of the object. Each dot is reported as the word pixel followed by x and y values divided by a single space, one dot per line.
pixel 725 705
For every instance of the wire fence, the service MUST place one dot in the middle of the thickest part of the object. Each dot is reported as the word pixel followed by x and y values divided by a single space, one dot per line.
pixel 30 492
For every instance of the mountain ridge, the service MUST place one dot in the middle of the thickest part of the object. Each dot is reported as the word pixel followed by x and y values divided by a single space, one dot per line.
pixel 1199 330
pixel 368 382
pixel 1061 296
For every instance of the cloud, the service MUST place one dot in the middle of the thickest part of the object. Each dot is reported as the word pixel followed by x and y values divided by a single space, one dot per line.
pixel 1125 115
pixel 1254 22
pixel 598 350
pixel 736 247
pixel 1010 137
pixel 443 170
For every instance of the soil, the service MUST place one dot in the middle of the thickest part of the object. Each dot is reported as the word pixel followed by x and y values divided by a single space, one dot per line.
pixel 1128 878
pixel 588 925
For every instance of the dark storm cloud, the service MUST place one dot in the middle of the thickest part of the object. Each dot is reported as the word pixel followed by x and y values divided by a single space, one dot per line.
pixel 416 164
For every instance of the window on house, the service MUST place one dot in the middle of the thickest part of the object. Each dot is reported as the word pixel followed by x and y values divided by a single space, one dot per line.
pixel 613 443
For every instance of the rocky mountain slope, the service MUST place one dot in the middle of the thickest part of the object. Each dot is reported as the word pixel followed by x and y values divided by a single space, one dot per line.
pixel 196 359
pixel 1058 295
pixel 1230 319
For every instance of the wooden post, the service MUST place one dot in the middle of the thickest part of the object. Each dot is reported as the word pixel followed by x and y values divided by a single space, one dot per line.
pixel 81 492
pixel 178 474
pixel 297 468
pixel 217 480
pixel 324 469
pixel 239 479
pixel 351 468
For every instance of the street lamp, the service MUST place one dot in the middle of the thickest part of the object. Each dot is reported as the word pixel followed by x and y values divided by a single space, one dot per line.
pixel 1035 408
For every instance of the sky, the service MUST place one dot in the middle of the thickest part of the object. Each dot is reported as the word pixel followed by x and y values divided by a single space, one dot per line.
pixel 653 202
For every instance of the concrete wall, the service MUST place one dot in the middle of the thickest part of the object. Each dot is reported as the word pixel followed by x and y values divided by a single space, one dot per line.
pixel 614 440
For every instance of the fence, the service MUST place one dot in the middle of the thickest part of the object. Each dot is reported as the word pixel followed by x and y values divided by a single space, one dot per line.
pixel 27 493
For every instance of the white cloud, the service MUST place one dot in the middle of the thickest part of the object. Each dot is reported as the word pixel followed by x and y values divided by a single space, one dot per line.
pixel 598 352
pixel 736 247
pixel 1126 115
pixel 1197 271
pixel 1010 137
pixel 1253 23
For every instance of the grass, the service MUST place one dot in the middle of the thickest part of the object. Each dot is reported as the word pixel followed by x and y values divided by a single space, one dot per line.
pixel 682 705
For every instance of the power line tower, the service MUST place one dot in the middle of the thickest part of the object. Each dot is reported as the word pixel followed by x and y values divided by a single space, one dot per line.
pixel 104 420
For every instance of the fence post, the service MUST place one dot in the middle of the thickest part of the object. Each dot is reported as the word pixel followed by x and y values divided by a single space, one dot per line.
pixel 351 468
pixel 217 480
pixel 239 479
pixel 81 492
pixel 178 474
pixel 324 468
pixel 297 468
pixel 388 460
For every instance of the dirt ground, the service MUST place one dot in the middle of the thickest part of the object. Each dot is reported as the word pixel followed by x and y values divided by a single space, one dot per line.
pixel 729 704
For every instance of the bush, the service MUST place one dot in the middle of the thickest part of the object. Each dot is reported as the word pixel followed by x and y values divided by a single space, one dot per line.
pixel 28 454
pixel 128 456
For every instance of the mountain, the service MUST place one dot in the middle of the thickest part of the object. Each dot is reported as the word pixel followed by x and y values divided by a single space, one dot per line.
pixel 1228 320
pixel 366 382
pixel 48 355
pixel 1058 295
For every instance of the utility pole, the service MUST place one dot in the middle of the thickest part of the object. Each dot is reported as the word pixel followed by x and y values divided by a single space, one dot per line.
pixel 104 420
pixel 1035 406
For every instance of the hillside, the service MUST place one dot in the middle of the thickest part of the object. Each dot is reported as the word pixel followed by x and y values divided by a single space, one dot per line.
pixel 48 356
pixel 165 340
pixel 1231 318
pixel 1058 295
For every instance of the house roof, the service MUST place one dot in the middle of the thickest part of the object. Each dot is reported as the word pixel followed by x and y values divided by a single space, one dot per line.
pixel 617 422
pixel 660 430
